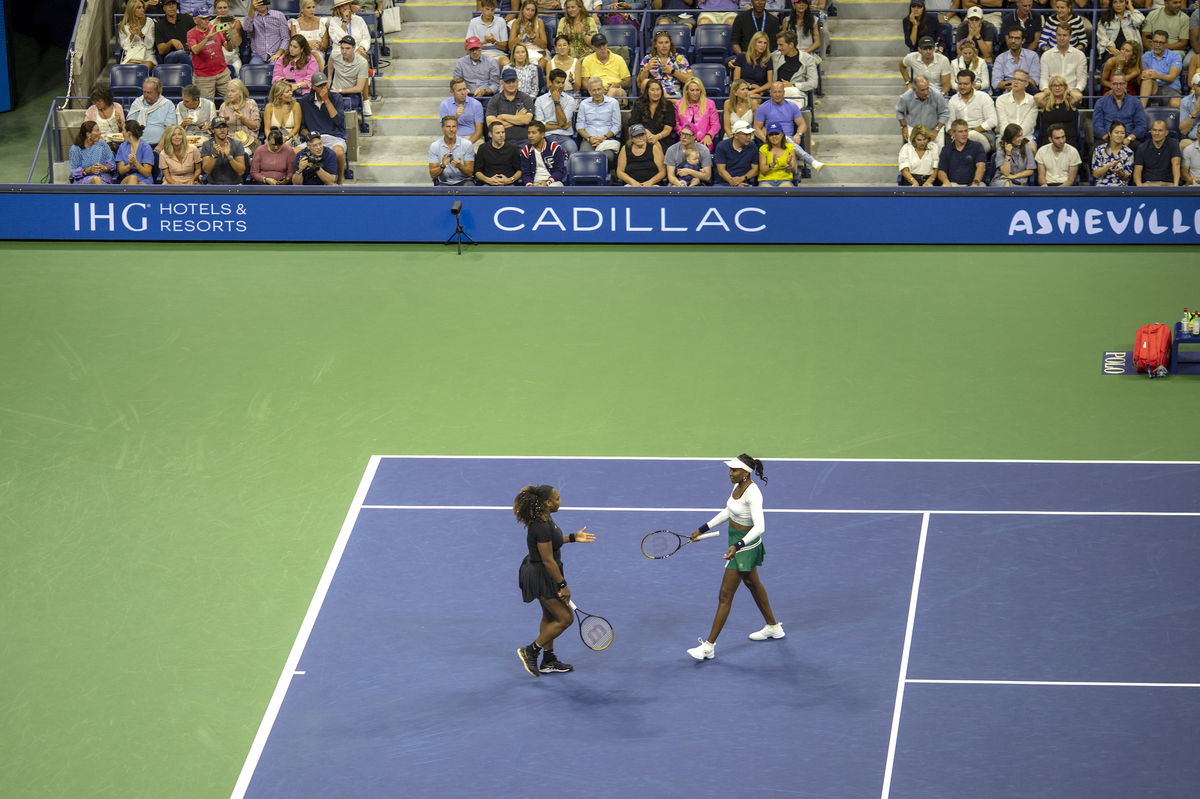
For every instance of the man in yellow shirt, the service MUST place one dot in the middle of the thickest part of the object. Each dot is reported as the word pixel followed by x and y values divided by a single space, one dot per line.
pixel 606 65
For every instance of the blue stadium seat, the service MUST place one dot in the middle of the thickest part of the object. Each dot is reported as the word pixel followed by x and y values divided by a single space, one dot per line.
pixel 125 81
pixel 587 169
pixel 174 77
pixel 1168 115
pixel 257 78
pixel 713 76
pixel 681 35
pixel 712 43
pixel 623 36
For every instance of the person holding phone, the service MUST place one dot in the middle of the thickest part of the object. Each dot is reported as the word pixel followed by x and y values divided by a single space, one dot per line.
pixel 231 28
pixel 208 48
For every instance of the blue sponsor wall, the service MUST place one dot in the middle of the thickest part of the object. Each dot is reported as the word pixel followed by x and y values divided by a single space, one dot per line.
pixel 601 216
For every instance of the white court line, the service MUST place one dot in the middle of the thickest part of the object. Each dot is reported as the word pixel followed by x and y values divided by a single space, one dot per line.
pixel 908 633
pixel 811 510
pixel 310 618
pixel 766 460
pixel 1059 682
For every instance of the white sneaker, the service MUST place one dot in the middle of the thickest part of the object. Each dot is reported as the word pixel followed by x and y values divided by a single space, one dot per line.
pixel 817 166
pixel 704 651
pixel 770 631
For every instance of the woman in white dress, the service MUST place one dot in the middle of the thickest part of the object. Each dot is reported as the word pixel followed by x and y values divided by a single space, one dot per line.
pixel 135 35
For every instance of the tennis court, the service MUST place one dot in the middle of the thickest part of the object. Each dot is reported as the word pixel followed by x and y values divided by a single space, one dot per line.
pixel 183 427
pixel 954 628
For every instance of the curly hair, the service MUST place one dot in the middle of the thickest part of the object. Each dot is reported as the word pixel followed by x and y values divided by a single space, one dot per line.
pixel 530 504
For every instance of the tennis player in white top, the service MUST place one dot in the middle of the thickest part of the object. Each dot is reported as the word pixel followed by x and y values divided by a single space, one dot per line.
pixel 744 512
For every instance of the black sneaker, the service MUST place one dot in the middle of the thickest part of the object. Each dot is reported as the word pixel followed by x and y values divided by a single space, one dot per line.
pixel 529 660
pixel 555 666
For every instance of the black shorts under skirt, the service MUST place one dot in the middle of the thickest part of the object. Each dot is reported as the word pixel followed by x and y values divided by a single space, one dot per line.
pixel 535 581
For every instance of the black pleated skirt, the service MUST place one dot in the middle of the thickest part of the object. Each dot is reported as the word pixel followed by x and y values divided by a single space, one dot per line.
pixel 535 581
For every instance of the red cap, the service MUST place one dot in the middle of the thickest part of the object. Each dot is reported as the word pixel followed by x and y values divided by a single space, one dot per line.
pixel 472 41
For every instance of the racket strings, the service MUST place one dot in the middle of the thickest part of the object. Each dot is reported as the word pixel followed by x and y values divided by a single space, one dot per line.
pixel 596 632
pixel 661 543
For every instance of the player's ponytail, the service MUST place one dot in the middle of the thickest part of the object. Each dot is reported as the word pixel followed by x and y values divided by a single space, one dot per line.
pixel 753 465
pixel 530 504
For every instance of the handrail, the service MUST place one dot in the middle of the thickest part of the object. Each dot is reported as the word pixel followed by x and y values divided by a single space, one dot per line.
pixel 71 44
pixel 49 129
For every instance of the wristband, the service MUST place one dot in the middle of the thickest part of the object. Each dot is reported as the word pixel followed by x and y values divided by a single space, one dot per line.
pixel 704 528
pixel 740 544
pixel 571 538
pixel 561 585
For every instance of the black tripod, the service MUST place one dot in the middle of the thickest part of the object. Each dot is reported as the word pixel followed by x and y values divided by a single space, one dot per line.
pixel 459 234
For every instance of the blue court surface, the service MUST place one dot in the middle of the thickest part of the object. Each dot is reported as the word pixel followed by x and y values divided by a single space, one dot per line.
pixel 957 629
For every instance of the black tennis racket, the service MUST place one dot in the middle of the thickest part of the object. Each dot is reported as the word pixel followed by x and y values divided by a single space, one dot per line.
pixel 595 631
pixel 664 543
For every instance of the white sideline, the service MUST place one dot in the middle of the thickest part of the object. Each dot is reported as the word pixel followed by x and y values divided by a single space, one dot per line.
pixel 310 618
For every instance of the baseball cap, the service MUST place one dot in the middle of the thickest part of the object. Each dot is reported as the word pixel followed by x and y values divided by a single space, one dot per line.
pixel 319 79
pixel 1196 79
pixel 472 42
pixel 347 40
pixel 170 3
pixel 508 74
pixel 975 12
pixel 774 127
pixel 742 126
pixel 599 39
pixel 925 41
pixel 690 129
pixel 218 122
pixel 637 130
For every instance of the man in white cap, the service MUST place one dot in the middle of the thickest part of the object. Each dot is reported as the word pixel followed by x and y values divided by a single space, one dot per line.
pixel 481 74
pixel 736 161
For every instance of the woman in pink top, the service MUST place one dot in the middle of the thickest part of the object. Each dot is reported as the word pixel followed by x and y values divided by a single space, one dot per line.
pixel 696 110
pixel 297 65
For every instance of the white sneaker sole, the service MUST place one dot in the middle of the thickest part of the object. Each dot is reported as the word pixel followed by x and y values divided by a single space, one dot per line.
pixel 761 636
pixel 699 655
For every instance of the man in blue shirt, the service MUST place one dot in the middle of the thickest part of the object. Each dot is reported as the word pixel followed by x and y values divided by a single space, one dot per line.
pixel 1120 107
pixel 465 108
pixel 1014 58
pixel 962 161
pixel 1160 70
pixel 599 122
pixel 736 159
pixel 781 110
pixel 316 165
pixel 321 111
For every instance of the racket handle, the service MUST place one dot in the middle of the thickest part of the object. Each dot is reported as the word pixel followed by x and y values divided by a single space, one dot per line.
pixel 707 535
pixel 571 605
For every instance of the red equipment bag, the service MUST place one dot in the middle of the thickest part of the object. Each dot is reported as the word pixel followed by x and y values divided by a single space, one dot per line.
pixel 1152 349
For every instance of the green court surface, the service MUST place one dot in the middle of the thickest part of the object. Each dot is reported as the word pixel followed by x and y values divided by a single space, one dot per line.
pixel 182 427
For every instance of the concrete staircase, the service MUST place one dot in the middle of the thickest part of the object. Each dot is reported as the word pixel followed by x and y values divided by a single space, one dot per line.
pixel 859 138
pixel 405 121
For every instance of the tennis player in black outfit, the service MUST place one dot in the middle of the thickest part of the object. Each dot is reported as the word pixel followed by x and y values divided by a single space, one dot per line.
pixel 541 574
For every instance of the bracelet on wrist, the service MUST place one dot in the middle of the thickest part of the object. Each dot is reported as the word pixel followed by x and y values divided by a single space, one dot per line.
pixel 561 585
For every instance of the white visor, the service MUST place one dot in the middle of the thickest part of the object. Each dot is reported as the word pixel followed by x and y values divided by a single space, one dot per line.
pixel 734 463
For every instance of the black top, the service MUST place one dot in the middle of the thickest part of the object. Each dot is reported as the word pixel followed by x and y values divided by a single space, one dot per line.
pixel 755 74
pixel 504 161
pixel 787 69
pixel 745 25
pixel 164 31
pixel 664 116
pixel 640 167
pixel 1060 115
pixel 1156 161
pixel 543 531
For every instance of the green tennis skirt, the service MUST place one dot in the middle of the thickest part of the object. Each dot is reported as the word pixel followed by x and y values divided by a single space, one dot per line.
pixel 748 556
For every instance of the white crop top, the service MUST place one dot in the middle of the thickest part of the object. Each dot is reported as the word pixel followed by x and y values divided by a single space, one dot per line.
pixel 747 511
